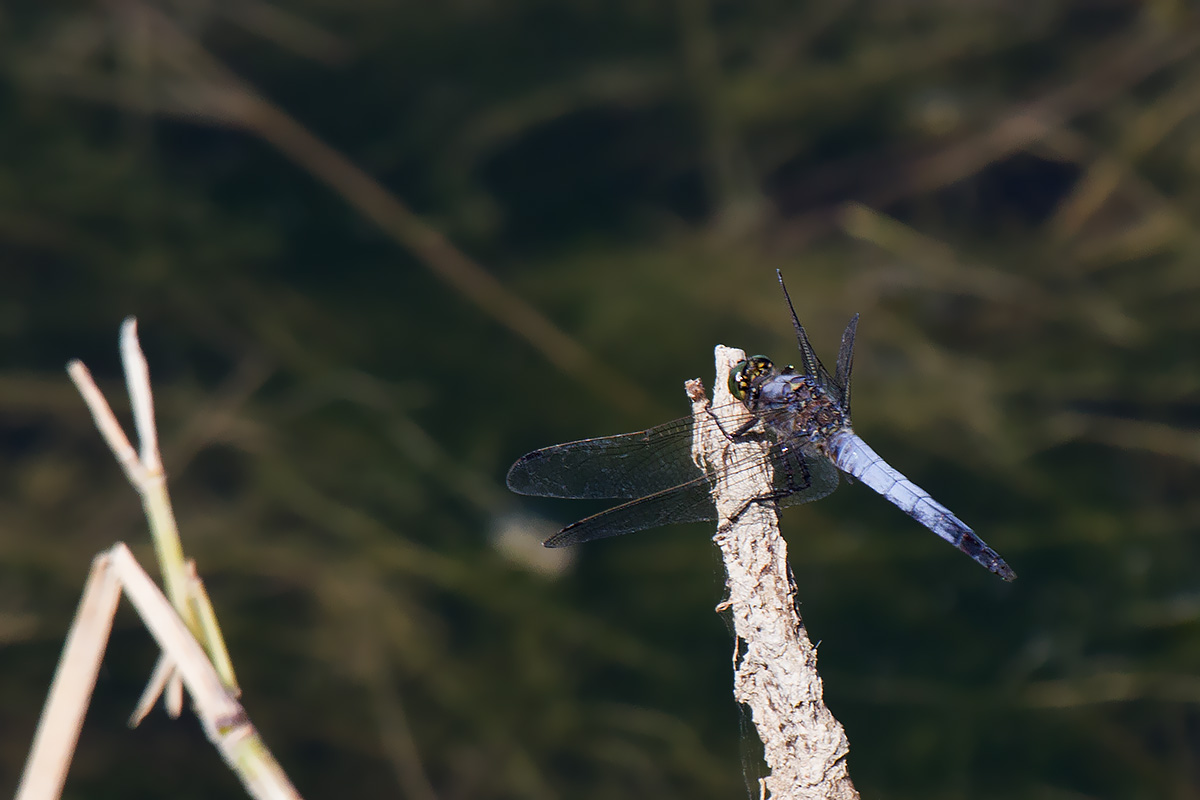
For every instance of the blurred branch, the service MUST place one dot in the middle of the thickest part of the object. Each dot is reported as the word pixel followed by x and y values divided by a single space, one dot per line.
pixel 1115 169
pixel 204 88
pixel 361 640
pixel 287 30
pixel 1112 687
pixel 934 265
pixel 1114 67
pixel 1149 221
pixel 733 186
pixel 398 742
pixel 1113 70
pixel 425 452
pixel 1129 434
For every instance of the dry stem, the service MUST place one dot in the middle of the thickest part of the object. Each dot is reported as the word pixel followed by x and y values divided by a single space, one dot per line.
pixel 776 677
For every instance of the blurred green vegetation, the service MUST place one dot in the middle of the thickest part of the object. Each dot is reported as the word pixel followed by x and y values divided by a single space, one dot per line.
pixel 1008 193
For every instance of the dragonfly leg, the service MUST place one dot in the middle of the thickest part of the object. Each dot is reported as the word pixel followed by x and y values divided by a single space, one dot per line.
pixel 787 490
pixel 741 431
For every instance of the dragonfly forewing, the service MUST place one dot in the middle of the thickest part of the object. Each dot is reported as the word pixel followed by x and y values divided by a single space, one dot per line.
pixel 629 465
pixel 654 469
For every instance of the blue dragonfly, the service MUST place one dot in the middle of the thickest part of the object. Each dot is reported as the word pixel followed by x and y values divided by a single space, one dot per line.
pixel 805 415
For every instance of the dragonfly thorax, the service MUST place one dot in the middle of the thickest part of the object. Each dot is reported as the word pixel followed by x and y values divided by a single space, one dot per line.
pixel 794 405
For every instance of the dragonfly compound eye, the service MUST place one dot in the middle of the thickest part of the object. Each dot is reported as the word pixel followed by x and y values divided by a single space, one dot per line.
pixel 746 373
pixel 739 383
pixel 760 365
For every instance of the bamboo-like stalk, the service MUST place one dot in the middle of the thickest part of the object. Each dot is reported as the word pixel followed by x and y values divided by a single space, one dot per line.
pixel 71 689
pixel 145 472
pixel 179 626
pixel 776 676
pixel 222 717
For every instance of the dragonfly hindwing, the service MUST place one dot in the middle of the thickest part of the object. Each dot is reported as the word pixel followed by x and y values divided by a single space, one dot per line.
pixel 845 362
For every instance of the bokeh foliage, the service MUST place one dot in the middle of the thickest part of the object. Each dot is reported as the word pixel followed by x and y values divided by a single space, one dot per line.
pixel 1006 191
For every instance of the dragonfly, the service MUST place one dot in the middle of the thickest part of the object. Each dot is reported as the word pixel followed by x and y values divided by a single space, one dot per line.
pixel 804 413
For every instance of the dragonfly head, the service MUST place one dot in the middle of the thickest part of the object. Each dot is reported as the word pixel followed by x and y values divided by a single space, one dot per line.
pixel 747 375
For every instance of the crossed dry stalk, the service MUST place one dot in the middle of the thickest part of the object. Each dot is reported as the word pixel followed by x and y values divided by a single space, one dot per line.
pixel 193 653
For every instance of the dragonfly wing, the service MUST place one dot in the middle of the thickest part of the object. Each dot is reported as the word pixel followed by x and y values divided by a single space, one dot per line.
pixel 629 465
pixel 802 472
pixel 691 502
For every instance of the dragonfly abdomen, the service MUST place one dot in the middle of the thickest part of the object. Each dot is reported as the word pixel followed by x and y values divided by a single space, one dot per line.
pixel 854 456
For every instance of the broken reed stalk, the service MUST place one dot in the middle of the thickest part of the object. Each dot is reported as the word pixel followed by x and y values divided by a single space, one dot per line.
pixel 179 626
pixel 114 572
pixel 776 677
pixel 144 470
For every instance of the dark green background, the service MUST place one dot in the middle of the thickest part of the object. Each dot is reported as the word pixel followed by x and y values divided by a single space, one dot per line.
pixel 1008 192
